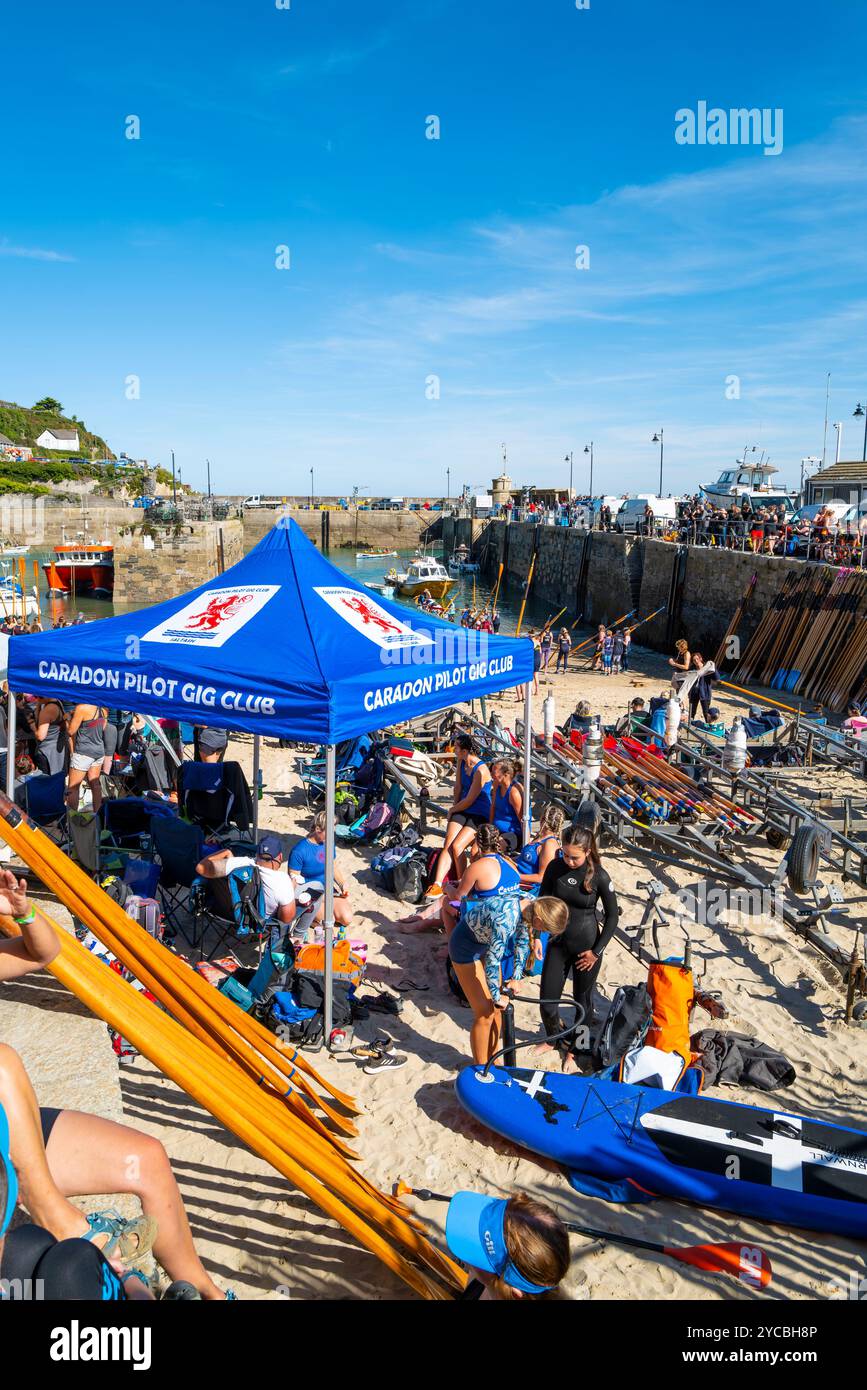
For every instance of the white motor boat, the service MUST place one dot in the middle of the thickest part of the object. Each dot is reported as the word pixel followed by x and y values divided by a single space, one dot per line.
pixel 750 480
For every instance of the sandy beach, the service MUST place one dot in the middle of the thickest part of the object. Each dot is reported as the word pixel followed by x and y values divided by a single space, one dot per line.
pixel 267 1241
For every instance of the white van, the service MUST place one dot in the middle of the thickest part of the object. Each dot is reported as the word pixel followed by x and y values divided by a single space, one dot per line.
pixel 630 517
pixel 254 501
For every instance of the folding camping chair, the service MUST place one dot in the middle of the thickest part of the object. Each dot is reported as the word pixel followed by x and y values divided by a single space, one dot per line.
pixel 357 836
pixel 232 905
pixel 347 767
pixel 179 847
pixel 215 796
pixel 127 825
pixel 45 801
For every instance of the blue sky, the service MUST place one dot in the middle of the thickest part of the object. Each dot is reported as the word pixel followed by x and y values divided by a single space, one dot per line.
pixel 455 258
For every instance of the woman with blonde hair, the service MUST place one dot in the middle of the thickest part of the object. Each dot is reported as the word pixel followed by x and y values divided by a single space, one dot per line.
pixel 679 663
pixel 485 921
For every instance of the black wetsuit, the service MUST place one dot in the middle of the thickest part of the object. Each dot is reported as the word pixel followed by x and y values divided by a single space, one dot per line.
pixel 581 934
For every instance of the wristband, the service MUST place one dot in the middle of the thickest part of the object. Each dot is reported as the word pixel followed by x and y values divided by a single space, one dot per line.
pixel 25 921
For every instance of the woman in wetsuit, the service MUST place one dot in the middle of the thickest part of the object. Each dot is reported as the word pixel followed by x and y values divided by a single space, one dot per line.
pixel 578 879
pixel 471 807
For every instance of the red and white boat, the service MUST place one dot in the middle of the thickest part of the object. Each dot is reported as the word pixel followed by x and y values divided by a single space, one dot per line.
pixel 81 568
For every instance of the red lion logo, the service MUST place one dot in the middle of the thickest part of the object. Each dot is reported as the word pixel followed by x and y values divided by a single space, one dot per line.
pixel 367 615
pixel 217 611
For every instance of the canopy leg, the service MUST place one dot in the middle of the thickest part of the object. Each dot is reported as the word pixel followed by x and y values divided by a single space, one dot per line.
pixel 528 751
pixel 256 776
pixel 330 790
pixel 11 718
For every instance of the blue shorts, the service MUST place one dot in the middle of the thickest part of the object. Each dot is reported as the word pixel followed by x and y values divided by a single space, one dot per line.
pixel 464 948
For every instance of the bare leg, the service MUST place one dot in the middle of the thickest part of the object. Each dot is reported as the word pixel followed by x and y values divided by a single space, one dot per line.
pixel 460 844
pixel 95 785
pixel 485 1029
pixel 88 1155
pixel 444 857
pixel 73 788
pixel 44 1201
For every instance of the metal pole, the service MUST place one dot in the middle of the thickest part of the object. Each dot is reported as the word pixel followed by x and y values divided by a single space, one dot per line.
pixel 11 718
pixel 256 775
pixel 174 484
pixel 208 462
pixel 528 755
pixel 661 447
pixel 328 924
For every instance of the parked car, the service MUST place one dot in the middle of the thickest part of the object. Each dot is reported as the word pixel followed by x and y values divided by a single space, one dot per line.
pixel 630 518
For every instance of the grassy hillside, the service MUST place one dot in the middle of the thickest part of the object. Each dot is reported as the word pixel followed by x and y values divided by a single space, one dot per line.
pixel 23 425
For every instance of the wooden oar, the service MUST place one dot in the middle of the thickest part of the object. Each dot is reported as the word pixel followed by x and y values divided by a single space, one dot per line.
pixel 526 596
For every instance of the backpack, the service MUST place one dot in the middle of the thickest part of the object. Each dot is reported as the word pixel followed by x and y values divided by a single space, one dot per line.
pixel 626 1022
pixel 379 815
pixel 410 876
pixel 347 966
pixel 347 807
pixel 386 862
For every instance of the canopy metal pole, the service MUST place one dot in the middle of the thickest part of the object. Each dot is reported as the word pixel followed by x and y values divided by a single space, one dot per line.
pixel 256 787
pixel 11 717
pixel 528 754
pixel 330 789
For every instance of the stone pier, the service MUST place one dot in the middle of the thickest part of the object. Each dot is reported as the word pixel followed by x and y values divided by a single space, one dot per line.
pixel 155 564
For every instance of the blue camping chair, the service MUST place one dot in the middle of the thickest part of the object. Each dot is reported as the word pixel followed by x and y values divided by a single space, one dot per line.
pixel 232 906
pixel 127 826
pixel 142 877
pixel 45 801
pixel 216 796
pixel 347 763
pixel 178 846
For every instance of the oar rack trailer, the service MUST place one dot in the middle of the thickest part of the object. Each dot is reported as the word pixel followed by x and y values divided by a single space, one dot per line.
pixel 710 843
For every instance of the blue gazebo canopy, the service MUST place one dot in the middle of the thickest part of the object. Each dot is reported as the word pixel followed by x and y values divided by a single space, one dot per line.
pixel 283 644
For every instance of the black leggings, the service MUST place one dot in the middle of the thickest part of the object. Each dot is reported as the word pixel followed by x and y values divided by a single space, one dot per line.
pixel 559 961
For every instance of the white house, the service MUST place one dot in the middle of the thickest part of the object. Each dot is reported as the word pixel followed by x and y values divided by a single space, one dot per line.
pixel 67 440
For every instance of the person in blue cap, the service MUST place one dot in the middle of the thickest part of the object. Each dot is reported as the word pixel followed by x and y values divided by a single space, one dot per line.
pixel 277 891
pixel 515 1247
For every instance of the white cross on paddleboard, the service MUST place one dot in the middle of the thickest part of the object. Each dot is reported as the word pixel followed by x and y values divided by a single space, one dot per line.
pixel 787 1153
pixel 534 1086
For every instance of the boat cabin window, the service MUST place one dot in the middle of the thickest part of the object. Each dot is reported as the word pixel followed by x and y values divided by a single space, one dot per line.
pixel 727 477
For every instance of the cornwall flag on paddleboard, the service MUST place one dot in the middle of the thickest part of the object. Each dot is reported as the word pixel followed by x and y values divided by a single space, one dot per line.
pixel 632 1143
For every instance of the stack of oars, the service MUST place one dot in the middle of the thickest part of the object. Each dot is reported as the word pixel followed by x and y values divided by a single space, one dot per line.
pixel 813 639
pixel 226 1061
pixel 650 787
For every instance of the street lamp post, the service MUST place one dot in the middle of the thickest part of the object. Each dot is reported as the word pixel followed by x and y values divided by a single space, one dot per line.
pixel 208 463
pixel 588 449
pixel 659 439
pixel 568 460
pixel 448 489
pixel 311 489
pixel 857 413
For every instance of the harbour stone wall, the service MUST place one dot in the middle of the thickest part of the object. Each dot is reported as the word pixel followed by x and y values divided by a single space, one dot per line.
pixel 149 569
pixel 632 574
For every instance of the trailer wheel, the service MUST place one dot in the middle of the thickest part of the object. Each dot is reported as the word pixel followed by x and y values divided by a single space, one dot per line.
pixel 588 816
pixel 803 861
pixel 777 839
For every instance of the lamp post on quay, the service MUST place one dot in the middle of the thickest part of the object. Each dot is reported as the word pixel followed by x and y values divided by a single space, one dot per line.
pixel 659 439
pixel 856 414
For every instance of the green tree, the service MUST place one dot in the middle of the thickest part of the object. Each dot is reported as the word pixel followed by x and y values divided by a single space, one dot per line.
pixel 48 403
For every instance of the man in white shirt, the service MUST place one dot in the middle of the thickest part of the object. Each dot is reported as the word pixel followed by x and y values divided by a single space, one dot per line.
pixel 278 892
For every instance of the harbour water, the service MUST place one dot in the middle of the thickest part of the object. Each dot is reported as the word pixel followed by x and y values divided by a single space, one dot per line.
pixel 469 589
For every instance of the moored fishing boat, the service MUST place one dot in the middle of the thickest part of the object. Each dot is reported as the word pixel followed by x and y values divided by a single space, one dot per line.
pixel 374 554
pixel 424 574
pixel 81 568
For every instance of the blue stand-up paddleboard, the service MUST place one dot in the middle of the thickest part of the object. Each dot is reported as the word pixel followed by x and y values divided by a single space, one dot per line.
pixel 633 1143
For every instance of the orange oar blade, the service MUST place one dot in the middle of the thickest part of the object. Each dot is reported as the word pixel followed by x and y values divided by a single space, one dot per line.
pixel 748 1263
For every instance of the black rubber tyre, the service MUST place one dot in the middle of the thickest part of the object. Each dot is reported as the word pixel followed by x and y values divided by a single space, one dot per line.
pixel 588 816
pixel 803 861
pixel 777 839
